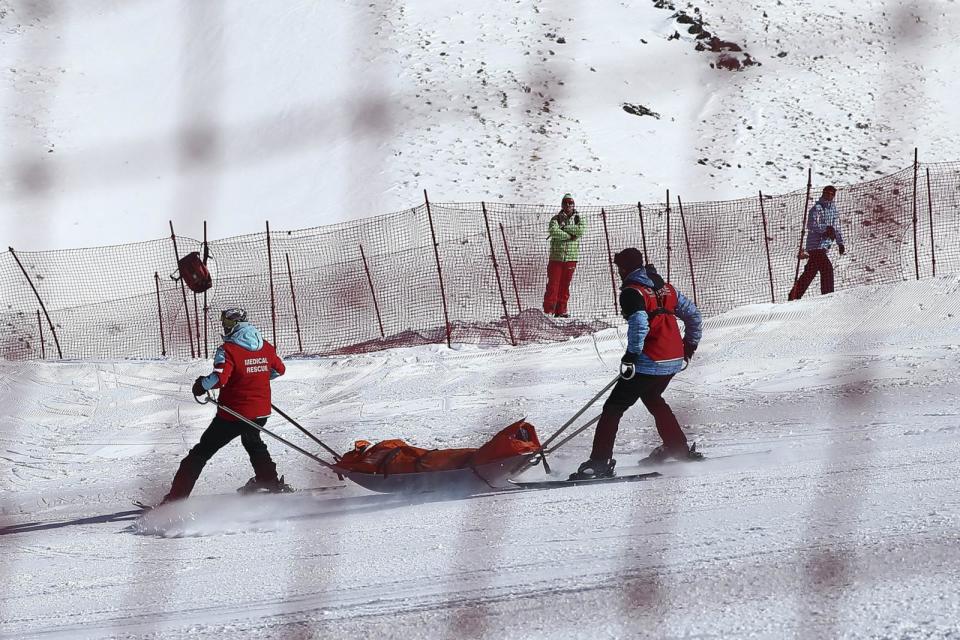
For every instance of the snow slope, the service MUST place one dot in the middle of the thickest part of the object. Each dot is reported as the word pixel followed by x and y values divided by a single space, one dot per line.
pixel 846 528
pixel 119 116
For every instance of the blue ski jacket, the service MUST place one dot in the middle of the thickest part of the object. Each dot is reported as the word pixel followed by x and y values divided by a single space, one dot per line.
pixel 638 325
pixel 822 215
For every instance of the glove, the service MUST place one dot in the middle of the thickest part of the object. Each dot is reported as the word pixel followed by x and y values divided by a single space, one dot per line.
pixel 841 249
pixel 628 365
pixel 688 351
pixel 198 389
pixel 576 218
pixel 830 233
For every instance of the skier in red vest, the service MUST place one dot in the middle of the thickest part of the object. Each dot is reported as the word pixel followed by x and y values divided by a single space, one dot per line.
pixel 243 367
pixel 655 353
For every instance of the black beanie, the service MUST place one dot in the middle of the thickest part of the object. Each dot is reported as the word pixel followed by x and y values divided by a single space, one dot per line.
pixel 629 259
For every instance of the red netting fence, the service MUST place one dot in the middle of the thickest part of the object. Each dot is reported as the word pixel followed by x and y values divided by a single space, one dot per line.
pixel 376 283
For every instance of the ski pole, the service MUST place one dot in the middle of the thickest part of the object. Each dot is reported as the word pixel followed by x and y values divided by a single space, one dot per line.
pixel 543 447
pixel 264 430
pixel 573 435
pixel 336 457
pixel 543 452
pixel 578 414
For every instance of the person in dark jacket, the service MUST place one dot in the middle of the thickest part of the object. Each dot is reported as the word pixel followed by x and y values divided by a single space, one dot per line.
pixel 243 367
pixel 655 353
pixel 823 229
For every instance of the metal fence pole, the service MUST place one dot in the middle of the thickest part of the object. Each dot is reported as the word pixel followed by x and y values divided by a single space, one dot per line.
pixel 43 347
pixel 196 320
pixel 933 251
pixel 766 244
pixel 916 256
pixel 686 239
pixel 613 279
pixel 373 292
pixel 293 297
pixel 26 275
pixel 643 234
pixel 183 290
pixel 206 308
pixel 513 276
pixel 669 246
pixel 273 300
pixel 163 341
pixel 436 254
pixel 496 271
pixel 803 224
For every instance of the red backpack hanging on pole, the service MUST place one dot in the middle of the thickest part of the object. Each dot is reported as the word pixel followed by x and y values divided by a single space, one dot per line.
pixel 193 270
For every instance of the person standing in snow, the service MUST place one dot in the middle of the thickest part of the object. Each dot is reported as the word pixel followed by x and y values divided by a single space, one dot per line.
pixel 243 367
pixel 565 230
pixel 655 353
pixel 823 229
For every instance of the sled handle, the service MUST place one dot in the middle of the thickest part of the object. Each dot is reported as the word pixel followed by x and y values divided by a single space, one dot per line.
pixel 209 398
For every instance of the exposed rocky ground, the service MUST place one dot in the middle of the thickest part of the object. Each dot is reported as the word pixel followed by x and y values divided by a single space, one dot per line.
pixel 730 56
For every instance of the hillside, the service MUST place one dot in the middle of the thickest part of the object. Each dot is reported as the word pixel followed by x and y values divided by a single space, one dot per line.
pixel 121 116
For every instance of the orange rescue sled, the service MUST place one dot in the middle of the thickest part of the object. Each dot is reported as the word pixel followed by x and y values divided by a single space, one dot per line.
pixel 393 466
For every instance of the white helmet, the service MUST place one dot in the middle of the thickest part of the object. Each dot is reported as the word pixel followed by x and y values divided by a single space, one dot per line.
pixel 230 318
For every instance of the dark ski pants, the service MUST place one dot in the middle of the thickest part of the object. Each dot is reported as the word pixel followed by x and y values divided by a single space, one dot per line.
pixel 649 390
pixel 818 262
pixel 217 436
pixel 559 277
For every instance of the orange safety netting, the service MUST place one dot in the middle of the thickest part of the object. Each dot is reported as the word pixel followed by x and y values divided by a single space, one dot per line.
pixel 461 272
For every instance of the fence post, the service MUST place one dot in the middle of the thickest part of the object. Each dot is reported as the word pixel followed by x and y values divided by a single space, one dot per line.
pixel 273 301
pixel 643 234
pixel 206 308
pixel 163 342
pixel 196 320
pixel 436 254
pixel 513 276
pixel 496 271
pixel 686 239
pixel 373 293
pixel 803 224
pixel 669 246
pixel 613 280
pixel 933 251
pixel 766 244
pixel 916 256
pixel 183 290
pixel 40 300
pixel 43 348
pixel 293 297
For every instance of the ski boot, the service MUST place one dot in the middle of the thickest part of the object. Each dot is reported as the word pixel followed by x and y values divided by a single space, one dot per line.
pixel 663 453
pixel 265 486
pixel 593 469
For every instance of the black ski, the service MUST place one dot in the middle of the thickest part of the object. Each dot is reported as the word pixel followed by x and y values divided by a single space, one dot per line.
pixel 551 484
pixel 646 462
pixel 143 506
pixel 253 487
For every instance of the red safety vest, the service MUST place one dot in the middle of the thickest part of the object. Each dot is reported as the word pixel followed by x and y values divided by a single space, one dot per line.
pixel 663 342
pixel 245 380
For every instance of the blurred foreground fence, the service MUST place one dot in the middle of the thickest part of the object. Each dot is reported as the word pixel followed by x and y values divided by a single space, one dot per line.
pixel 468 272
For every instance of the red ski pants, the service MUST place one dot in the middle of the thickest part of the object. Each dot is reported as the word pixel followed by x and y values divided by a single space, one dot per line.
pixel 559 275
pixel 818 262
